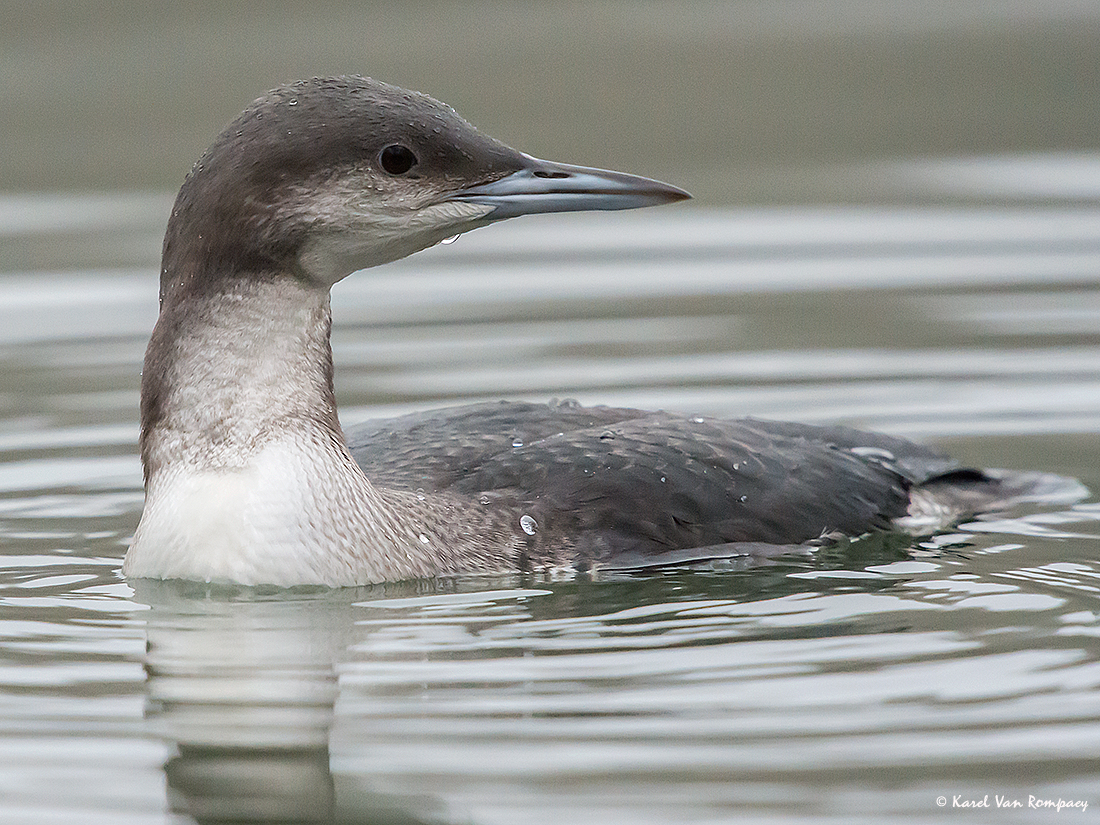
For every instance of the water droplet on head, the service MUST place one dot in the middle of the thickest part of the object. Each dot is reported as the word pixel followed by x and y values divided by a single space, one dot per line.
pixel 292 102
pixel 420 493
pixel 484 499
pixel 529 525
pixel 607 435
pixel 423 539
pixel 698 419
pixel 744 498
pixel 450 240
pixel 517 442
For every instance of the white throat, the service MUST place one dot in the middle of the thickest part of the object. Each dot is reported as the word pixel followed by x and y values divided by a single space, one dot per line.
pixel 249 478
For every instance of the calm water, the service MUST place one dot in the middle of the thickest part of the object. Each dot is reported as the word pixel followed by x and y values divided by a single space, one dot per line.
pixel 961 307
pixel 858 686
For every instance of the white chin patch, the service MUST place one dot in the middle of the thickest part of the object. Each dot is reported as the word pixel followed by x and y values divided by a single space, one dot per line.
pixel 378 239
pixel 445 215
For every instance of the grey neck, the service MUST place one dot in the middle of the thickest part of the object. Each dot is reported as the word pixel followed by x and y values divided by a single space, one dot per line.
pixel 227 372
pixel 248 477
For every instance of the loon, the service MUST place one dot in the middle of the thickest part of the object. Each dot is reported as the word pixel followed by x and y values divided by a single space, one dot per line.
pixel 249 477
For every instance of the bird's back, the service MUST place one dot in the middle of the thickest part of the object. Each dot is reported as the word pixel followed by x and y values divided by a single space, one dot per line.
pixel 622 486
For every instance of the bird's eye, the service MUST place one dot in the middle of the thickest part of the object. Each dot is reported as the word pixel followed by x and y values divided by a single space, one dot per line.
pixel 397 159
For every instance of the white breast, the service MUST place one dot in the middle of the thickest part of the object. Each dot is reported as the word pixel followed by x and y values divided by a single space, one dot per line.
pixel 268 522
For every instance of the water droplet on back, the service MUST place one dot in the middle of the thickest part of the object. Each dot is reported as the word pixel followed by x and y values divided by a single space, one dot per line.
pixel 529 525
pixel 450 240
pixel 873 453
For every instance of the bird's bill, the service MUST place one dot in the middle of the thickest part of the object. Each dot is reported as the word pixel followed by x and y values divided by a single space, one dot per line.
pixel 544 186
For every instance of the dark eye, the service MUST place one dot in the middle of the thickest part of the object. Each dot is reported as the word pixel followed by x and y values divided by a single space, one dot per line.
pixel 397 159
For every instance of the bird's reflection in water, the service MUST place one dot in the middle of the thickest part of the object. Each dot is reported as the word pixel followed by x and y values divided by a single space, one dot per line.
pixel 243 683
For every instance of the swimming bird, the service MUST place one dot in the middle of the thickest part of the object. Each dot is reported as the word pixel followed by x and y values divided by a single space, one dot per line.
pixel 250 478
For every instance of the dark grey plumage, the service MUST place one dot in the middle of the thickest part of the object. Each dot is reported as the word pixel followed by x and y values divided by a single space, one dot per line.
pixel 626 487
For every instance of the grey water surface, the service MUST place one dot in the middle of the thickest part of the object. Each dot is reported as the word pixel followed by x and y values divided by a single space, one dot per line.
pixel 899 229
pixel 859 685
